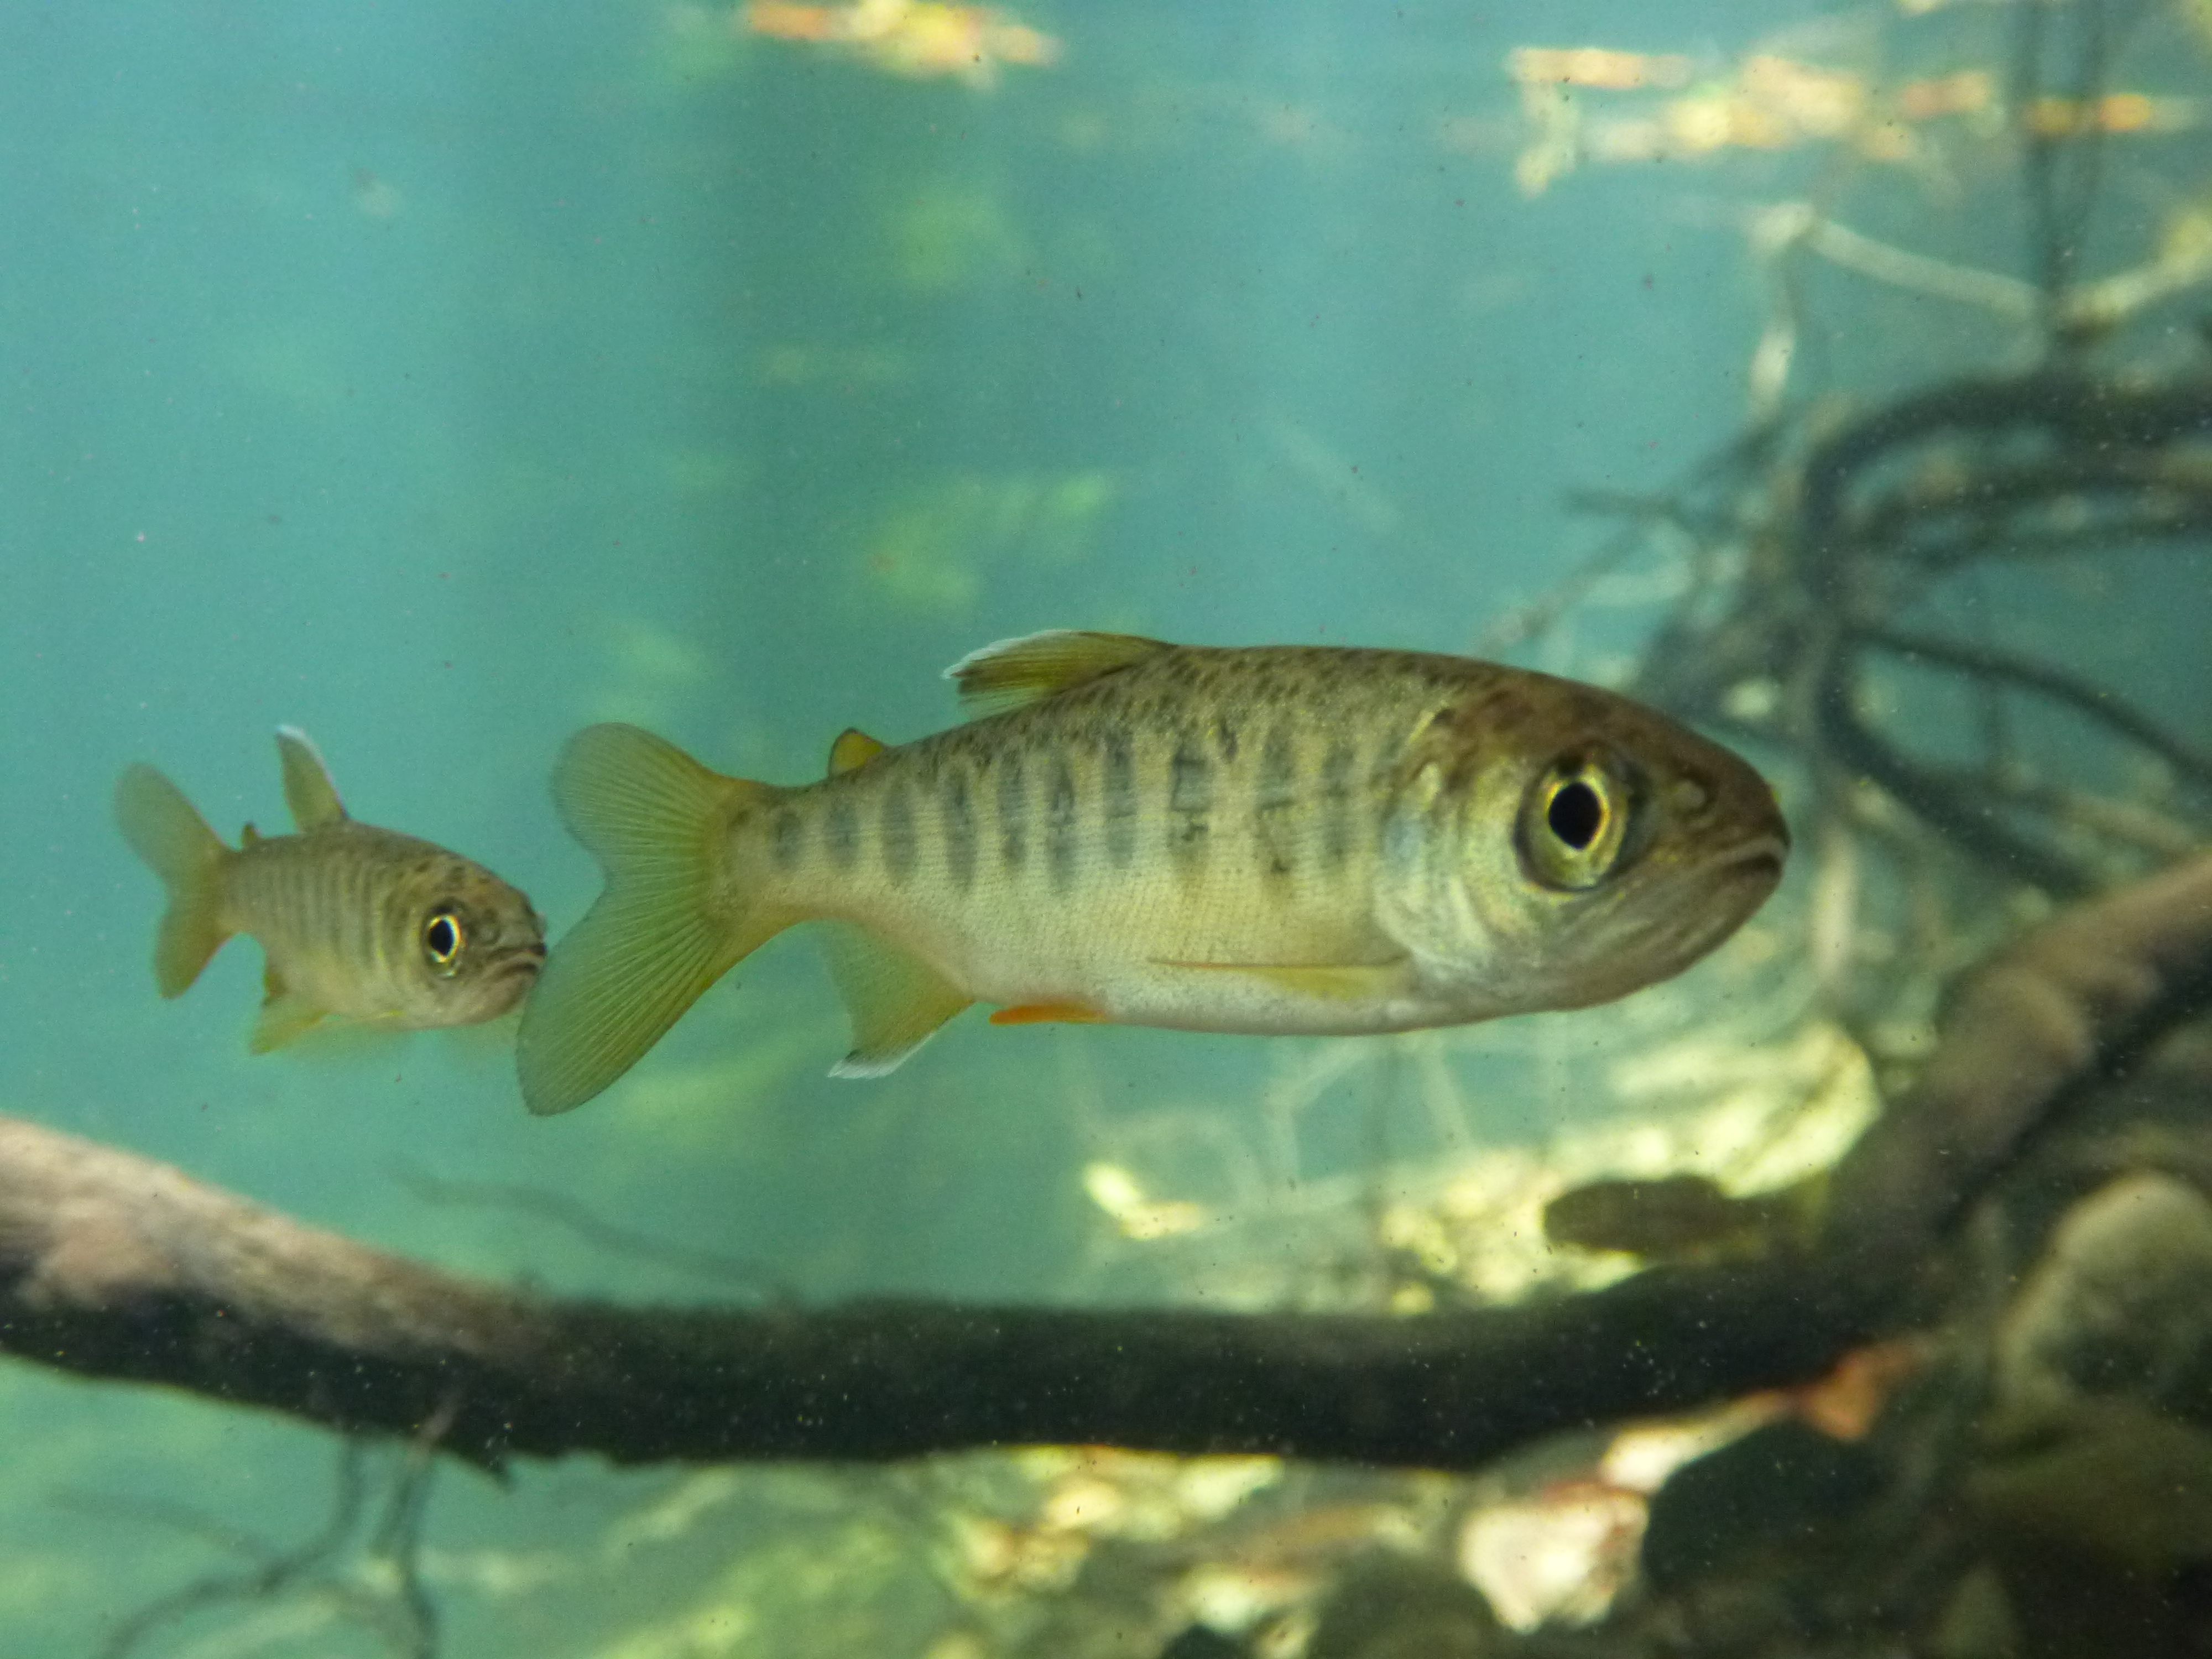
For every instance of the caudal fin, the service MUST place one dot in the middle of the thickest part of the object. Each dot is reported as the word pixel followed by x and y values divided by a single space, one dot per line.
pixel 666 927
pixel 165 831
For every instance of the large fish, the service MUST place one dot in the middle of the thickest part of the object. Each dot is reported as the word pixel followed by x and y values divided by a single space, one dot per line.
pixel 1278 839
pixel 362 924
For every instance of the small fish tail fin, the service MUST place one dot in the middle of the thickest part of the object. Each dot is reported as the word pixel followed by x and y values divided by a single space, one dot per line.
pixel 167 831
pixel 670 922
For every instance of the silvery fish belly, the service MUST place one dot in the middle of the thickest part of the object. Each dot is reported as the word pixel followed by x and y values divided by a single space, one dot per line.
pixel 1266 840
pixel 356 923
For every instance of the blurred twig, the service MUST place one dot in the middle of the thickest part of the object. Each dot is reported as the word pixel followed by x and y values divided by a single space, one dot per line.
pixel 375 1586
pixel 558 1209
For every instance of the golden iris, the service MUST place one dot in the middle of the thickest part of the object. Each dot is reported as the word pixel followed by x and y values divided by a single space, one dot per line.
pixel 1574 822
pixel 442 940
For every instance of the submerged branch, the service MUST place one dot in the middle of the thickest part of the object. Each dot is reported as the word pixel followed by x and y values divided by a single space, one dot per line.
pixel 2085 696
pixel 112 1266
pixel 116 1267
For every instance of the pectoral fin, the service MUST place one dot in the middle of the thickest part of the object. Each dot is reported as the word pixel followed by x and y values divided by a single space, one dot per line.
pixel 896 1000
pixel 1322 981
pixel 283 1018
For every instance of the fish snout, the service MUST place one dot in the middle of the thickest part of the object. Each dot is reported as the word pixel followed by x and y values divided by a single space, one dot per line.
pixel 1729 806
pixel 523 961
pixel 1761 856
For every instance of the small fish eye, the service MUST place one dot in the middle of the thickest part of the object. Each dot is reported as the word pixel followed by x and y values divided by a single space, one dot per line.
pixel 443 940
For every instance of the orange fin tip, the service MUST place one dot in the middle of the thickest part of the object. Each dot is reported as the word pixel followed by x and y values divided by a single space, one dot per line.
pixel 1042 1013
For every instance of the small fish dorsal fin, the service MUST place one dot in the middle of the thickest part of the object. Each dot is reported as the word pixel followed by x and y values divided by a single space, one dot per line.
pixel 853 748
pixel 307 787
pixel 1013 672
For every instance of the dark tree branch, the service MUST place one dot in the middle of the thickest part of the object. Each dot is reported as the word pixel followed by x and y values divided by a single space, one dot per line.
pixel 112 1266
pixel 2085 696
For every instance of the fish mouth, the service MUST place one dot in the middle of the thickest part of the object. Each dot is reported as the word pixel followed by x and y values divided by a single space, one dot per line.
pixel 1761 857
pixel 523 962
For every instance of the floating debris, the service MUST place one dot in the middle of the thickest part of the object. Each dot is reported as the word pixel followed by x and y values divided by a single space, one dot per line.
pixel 920 40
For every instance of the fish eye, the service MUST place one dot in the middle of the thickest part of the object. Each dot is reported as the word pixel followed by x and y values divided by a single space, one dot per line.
pixel 443 940
pixel 1574 824
pixel 1575 814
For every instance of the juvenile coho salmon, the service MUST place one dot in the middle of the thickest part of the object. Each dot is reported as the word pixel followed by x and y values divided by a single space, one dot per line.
pixel 361 924
pixel 1271 839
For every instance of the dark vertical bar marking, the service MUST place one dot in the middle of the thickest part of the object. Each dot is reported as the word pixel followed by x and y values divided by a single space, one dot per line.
pixel 1120 800
pixel 1274 816
pixel 841 829
pixel 385 927
pixel 1190 796
pixel 339 914
pixel 786 837
pixel 1013 812
pixel 1059 823
pixel 358 919
pixel 896 831
pixel 957 813
pixel 1336 803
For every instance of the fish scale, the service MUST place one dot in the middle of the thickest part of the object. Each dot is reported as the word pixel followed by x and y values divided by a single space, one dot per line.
pixel 1265 839
pixel 1108 841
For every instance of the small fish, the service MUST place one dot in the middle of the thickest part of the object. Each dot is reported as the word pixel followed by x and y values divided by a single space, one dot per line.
pixel 1677 1218
pixel 1267 840
pixel 356 923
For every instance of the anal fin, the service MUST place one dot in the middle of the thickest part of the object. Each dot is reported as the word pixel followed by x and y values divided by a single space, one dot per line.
pixel 896 1000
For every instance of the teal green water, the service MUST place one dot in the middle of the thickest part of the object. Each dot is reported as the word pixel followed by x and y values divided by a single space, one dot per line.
pixel 442 377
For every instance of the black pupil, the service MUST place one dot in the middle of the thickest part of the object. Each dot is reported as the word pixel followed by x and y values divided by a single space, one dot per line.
pixel 1576 815
pixel 442 937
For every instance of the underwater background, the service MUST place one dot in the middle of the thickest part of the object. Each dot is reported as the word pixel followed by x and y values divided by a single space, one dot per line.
pixel 440 379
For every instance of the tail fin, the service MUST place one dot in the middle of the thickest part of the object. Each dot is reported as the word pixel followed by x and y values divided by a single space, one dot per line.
pixel 666 927
pixel 165 831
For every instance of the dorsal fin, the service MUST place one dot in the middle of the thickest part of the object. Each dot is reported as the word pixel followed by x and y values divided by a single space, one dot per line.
pixel 308 790
pixel 1028 670
pixel 853 748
